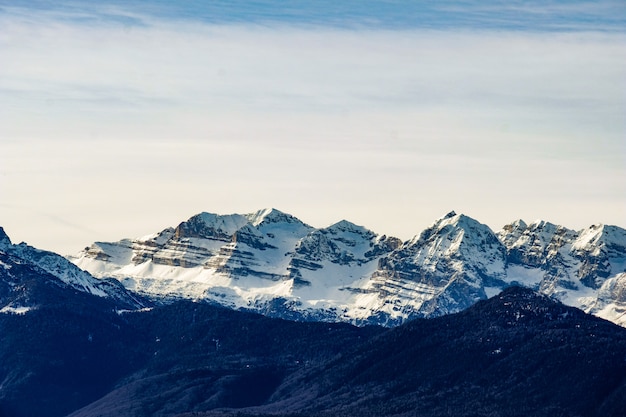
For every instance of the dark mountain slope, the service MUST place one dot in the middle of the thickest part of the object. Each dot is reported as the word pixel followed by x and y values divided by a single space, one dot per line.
pixel 517 354
pixel 60 347
pixel 205 357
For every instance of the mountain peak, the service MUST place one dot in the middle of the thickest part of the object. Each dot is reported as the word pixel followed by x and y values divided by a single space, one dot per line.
pixel 451 224
pixel 264 215
pixel 4 239
pixel 210 225
pixel 511 232
pixel 601 235
pixel 271 215
pixel 347 226
pixel 542 225
pixel 225 220
pixel 349 273
pixel 458 221
pixel 518 224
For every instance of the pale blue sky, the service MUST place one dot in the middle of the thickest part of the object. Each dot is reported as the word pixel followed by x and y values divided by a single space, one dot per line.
pixel 122 118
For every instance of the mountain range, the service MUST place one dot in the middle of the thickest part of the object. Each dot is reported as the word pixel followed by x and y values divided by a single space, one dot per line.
pixel 273 263
pixel 75 345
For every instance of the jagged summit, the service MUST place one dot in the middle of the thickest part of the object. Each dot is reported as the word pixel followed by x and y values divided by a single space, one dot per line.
pixel 272 262
pixel 272 215
pixel 210 225
pixel 454 219
pixel 449 215
pixel 519 224
pixel 453 230
pixel 224 227
pixel 542 224
pixel 347 226
pixel 603 235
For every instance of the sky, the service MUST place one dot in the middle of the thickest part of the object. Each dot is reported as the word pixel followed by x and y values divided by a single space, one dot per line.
pixel 121 118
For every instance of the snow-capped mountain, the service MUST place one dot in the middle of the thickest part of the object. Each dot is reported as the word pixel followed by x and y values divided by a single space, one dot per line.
pixel 24 270
pixel 586 269
pixel 446 267
pixel 273 263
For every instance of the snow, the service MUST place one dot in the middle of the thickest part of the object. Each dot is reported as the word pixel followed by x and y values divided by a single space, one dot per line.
pixel 60 267
pixel 614 314
pixel 227 224
pixel 492 291
pixel 600 237
pixel 140 310
pixel 337 272
pixel 66 271
pixel 15 310
pixel 528 277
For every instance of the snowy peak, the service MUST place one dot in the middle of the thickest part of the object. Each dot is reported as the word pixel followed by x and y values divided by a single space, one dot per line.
pixel 450 263
pixel 346 227
pixel 270 261
pixel 343 243
pixel 533 244
pixel 278 228
pixel 450 221
pixel 511 232
pixel 581 268
pixel 460 220
pixel 211 226
pixel 226 227
pixel 454 233
pixel 519 224
pixel 602 237
pixel 271 215
pixel 602 252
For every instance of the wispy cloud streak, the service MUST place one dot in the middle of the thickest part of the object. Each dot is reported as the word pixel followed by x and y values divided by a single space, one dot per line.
pixel 107 111
pixel 555 15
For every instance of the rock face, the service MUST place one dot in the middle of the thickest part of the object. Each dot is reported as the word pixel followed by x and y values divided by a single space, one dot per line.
pixel 451 262
pixel 586 269
pixel 273 263
pixel 26 271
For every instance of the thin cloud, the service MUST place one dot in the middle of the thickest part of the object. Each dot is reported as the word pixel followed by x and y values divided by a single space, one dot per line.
pixel 604 15
pixel 65 67
pixel 103 119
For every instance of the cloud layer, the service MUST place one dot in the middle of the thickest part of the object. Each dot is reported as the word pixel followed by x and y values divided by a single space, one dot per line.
pixel 142 125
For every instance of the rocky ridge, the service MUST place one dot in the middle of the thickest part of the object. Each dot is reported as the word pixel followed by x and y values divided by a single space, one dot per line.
pixel 19 293
pixel 273 263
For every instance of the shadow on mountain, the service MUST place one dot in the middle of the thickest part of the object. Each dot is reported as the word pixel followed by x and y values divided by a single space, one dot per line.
pixel 516 354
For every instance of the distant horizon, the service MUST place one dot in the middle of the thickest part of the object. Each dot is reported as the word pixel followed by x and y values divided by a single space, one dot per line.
pixel 125 117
